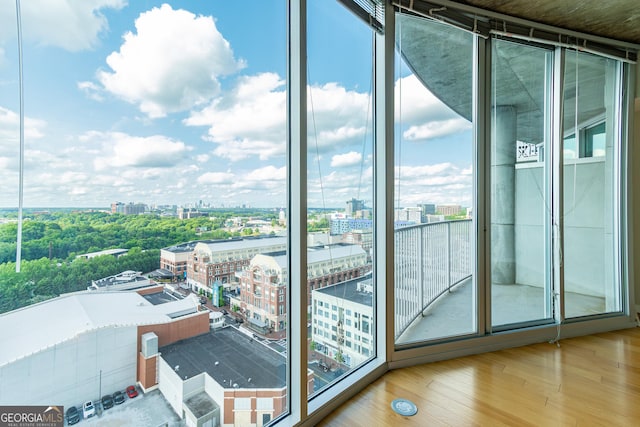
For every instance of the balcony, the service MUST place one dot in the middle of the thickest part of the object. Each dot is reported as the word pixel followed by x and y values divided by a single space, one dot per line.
pixel 435 291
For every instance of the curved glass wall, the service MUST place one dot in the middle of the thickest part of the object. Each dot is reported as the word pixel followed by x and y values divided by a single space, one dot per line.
pixel 160 129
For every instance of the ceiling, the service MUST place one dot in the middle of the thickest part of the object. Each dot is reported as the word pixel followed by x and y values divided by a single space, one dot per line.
pixel 615 19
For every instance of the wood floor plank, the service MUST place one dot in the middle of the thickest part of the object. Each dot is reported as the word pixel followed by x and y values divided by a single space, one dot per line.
pixel 586 381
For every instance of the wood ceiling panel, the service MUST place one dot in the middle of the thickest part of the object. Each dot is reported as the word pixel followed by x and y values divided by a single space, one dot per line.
pixel 615 19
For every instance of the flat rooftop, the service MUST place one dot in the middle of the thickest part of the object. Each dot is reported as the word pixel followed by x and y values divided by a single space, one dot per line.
pixel 320 254
pixel 357 290
pixel 246 243
pixel 230 357
pixel 159 298
pixel 37 327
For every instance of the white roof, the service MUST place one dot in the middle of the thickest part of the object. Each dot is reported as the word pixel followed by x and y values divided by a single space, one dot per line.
pixel 315 256
pixel 37 327
pixel 224 246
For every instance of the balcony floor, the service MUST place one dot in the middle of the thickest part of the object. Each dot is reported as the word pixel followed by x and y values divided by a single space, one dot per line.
pixel 453 314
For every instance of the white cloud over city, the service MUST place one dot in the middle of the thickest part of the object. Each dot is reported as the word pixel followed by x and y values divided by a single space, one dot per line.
pixel 248 120
pixel 441 183
pixel 119 150
pixel 205 124
pixel 172 62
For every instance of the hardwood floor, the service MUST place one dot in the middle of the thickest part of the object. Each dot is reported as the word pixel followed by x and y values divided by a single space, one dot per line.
pixel 587 381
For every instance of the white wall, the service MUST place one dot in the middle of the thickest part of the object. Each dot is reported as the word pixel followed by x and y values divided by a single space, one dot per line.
pixel 170 386
pixel 216 391
pixel 69 373
pixel 584 228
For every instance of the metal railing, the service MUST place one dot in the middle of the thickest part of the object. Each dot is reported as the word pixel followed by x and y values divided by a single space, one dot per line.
pixel 429 260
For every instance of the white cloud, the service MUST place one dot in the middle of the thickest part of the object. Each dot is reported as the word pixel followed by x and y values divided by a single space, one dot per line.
pixel 421 114
pixel 216 178
pixel 172 62
pixel 120 150
pixel 347 159
pixel 340 134
pixel 425 170
pixel 250 119
pixel 437 183
pixel 10 126
pixel 267 184
pixel 202 158
pixel 267 174
pixel 337 116
pixel 436 129
pixel 91 90
pixel 73 25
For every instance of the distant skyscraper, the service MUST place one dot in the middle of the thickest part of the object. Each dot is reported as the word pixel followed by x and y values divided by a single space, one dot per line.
pixel 117 207
pixel 427 208
pixel 135 209
pixel 353 206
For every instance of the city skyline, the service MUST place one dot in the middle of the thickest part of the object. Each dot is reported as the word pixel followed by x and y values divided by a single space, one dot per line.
pixel 120 110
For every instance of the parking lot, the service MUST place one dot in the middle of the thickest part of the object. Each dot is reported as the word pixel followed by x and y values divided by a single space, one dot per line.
pixel 149 409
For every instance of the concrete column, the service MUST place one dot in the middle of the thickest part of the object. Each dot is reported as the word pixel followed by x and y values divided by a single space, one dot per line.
pixel 503 159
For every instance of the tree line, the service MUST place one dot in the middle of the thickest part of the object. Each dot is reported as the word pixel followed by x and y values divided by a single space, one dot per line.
pixel 42 279
pixel 51 242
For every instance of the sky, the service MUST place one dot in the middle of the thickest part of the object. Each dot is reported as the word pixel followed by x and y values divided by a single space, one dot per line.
pixel 173 103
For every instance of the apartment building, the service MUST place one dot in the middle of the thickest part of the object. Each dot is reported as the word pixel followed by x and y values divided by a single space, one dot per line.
pixel 263 284
pixel 213 261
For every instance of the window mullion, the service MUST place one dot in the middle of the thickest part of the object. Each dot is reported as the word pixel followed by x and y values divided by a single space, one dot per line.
pixel 297 203
pixel 557 162
pixel 384 179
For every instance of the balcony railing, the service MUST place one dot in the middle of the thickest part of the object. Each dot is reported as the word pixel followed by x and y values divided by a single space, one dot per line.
pixel 430 259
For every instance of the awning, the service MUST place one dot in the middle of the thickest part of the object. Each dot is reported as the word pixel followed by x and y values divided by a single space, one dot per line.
pixel 257 322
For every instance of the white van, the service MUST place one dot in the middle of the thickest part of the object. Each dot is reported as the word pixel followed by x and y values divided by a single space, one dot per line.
pixel 88 409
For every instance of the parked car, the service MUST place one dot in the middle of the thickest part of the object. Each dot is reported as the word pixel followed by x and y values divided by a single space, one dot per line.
pixel 132 392
pixel 118 397
pixel 88 409
pixel 107 401
pixel 73 415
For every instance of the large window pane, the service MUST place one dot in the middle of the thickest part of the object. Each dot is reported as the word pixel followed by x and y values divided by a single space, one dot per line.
pixel 520 185
pixel 340 192
pixel 591 280
pixel 155 161
pixel 435 288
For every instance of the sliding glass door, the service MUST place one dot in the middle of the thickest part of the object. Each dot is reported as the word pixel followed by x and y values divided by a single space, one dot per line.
pixel 590 185
pixel 520 186
pixel 434 252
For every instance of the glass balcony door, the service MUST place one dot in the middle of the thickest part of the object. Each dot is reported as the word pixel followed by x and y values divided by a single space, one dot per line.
pixel 520 185
pixel 589 185
pixel 434 249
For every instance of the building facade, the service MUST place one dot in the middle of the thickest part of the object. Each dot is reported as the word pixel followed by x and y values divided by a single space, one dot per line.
pixel 175 258
pixel 263 284
pixel 343 323
pixel 213 261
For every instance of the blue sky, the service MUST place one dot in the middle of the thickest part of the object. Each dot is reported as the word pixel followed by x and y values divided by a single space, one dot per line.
pixel 177 102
